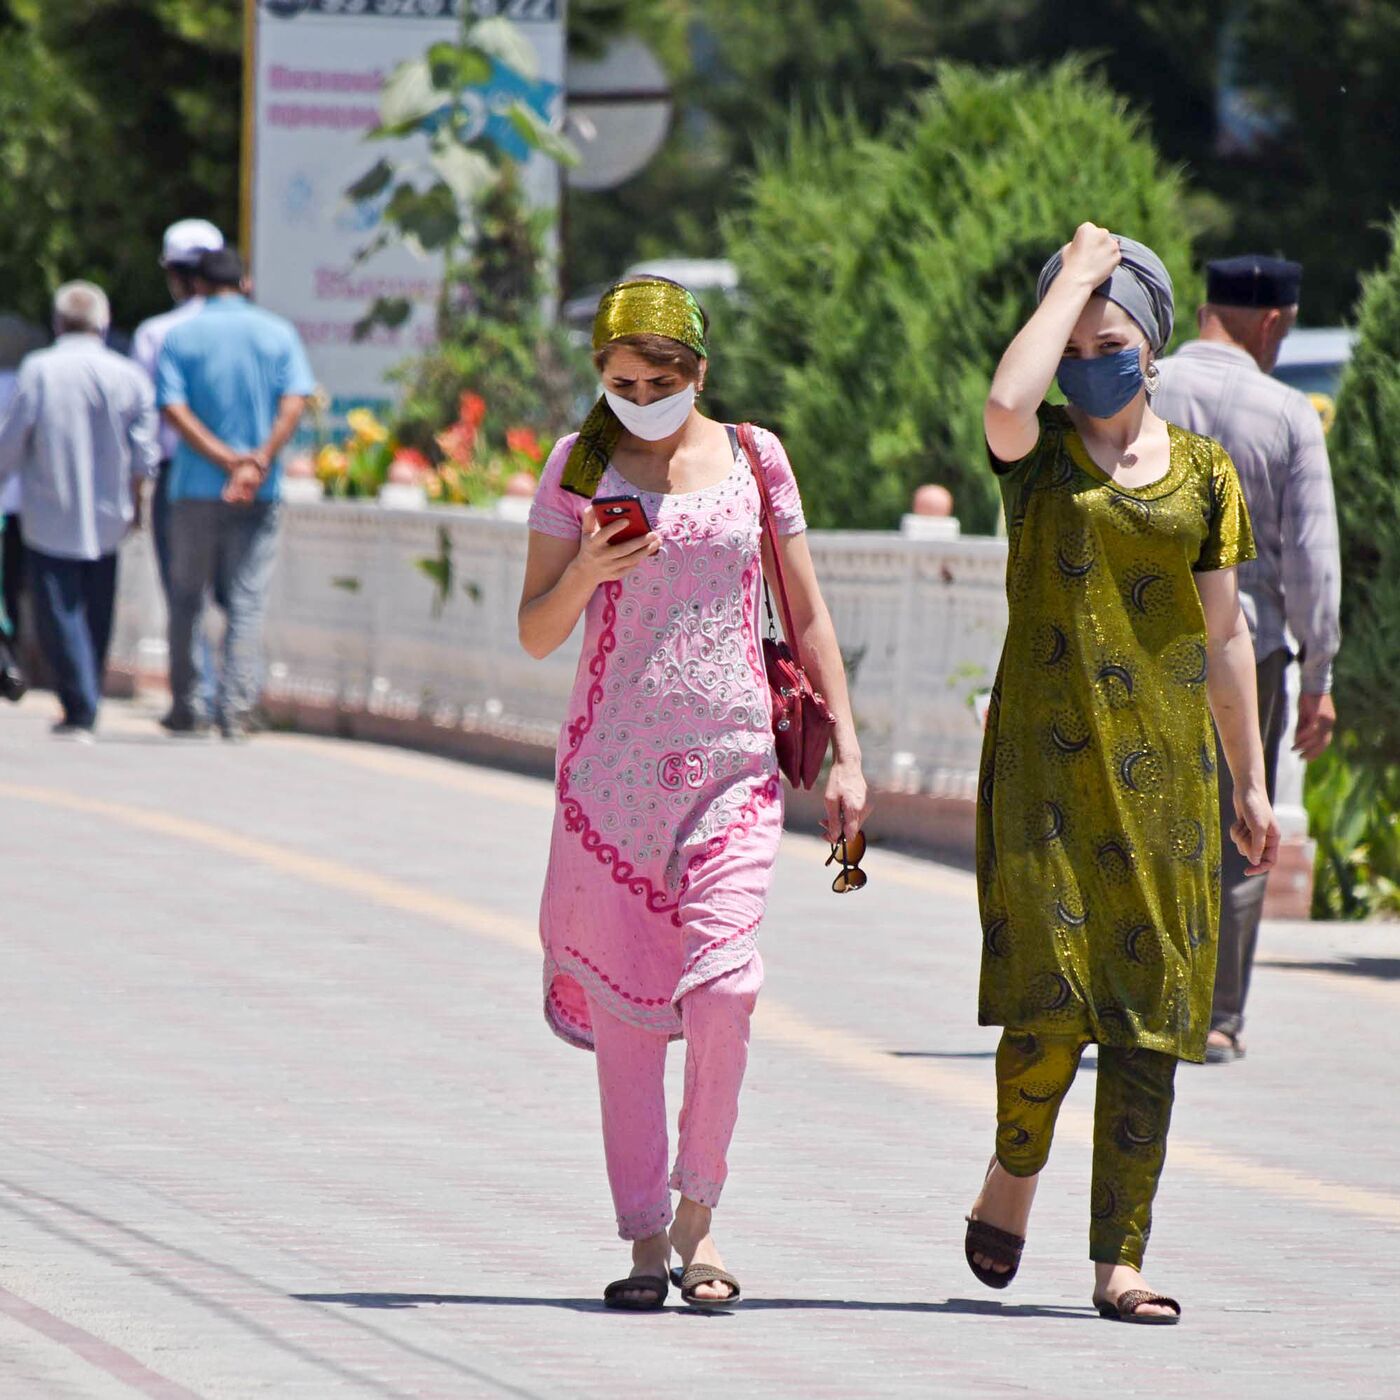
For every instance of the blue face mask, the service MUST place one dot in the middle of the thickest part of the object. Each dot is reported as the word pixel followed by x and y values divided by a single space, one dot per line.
pixel 1102 386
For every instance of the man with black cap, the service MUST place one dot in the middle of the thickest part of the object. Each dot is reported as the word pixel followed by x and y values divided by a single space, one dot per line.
pixel 233 382
pixel 1221 385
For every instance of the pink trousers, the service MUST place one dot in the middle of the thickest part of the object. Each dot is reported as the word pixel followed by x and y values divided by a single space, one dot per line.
pixel 631 1084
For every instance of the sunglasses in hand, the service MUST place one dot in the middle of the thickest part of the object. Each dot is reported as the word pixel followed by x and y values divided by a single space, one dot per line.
pixel 850 852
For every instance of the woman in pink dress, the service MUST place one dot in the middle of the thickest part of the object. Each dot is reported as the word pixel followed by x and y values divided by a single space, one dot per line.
pixel 669 800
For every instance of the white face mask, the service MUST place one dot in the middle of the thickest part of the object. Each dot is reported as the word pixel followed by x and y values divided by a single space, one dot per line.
pixel 654 421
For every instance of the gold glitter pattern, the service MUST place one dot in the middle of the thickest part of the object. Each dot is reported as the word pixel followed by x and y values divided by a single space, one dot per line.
pixel 1097 826
pixel 631 308
pixel 650 308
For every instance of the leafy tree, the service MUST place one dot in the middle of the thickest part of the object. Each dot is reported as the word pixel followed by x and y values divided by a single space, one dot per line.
pixel 1325 177
pixel 118 117
pixel 469 208
pixel 1322 168
pixel 883 275
pixel 1365 446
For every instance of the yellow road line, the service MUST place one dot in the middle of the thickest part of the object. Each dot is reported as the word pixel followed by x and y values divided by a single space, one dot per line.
pixel 910 872
pixel 842 1050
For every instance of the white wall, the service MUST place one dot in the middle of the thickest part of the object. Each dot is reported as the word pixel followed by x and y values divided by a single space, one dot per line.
pixel 353 619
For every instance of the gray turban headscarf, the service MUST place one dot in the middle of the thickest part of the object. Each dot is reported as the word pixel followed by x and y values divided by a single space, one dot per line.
pixel 1140 284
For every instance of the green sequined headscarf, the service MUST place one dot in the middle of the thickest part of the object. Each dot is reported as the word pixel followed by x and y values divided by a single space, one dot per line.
pixel 646 306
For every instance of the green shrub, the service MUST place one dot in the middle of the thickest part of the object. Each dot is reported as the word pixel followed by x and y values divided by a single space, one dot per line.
pixel 1353 803
pixel 1365 450
pixel 1353 792
pixel 883 276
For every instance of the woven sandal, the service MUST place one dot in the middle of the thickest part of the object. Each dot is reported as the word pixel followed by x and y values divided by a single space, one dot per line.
pixel 1125 1308
pixel 690 1279
pixel 653 1287
pixel 1000 1246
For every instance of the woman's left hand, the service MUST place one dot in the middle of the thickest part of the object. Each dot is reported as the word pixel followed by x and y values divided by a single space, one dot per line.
pixel 1255 832
pixel 845 796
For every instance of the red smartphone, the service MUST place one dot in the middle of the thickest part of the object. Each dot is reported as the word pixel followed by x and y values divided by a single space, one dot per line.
pixel 609 509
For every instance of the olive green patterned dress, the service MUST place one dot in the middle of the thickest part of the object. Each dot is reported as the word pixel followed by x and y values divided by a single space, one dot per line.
pixel 1098 845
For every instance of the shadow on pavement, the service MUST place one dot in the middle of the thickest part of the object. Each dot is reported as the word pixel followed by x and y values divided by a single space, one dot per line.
pixel 1089 1062
pixel 1384 969
pixel 975 1306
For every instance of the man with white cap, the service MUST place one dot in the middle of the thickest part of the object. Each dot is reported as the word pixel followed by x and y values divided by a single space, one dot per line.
pixel 185 242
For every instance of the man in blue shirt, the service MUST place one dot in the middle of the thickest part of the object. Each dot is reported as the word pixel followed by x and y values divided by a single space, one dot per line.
pixel 232 381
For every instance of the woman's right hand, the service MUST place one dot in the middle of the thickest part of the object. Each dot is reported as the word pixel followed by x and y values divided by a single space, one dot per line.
pixel 601 561
pixel 1092 255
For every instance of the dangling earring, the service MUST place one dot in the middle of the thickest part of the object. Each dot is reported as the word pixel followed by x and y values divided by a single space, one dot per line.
pixel 1152 378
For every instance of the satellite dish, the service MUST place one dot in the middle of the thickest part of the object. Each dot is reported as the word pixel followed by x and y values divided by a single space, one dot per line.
pixel 619 112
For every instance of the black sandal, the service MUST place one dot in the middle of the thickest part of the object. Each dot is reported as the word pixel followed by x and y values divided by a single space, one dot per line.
pixel 1000 1246
pixel 1125 1308
pixel 653 1287
pixel 688 1280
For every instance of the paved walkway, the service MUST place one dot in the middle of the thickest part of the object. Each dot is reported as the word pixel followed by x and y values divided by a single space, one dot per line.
pixel 281 1117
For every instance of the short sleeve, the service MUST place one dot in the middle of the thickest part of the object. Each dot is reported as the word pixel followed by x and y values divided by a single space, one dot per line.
pixel 556 511
pixel 781 481
pixel 1229 536
pixel 170 377
pixel 297 378
pixel 1053 422
pixel 145 349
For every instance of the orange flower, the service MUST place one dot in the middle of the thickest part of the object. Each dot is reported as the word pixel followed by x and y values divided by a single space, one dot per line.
pixel 457 443
pixel 412 458
pixel 471 408
pixel 524 441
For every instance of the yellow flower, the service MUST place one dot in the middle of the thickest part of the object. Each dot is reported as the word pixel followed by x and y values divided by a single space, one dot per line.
pixel 331 462
pixel 365 426
pixel 1326 407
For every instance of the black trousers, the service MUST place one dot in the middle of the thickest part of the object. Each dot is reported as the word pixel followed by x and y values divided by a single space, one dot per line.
pixel 11 572
pixel 1241 895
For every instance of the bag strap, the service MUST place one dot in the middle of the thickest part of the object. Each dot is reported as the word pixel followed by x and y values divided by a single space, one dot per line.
pixel 744 435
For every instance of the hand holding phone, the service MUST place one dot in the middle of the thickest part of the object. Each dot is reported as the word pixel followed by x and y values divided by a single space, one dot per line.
pixel 616 538
pixel 610 509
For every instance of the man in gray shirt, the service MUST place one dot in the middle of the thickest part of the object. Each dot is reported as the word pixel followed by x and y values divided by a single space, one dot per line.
pixel 1220 385
pixel 80 429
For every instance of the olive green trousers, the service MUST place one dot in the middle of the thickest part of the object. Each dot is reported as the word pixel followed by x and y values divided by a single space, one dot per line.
pixel 1132 1113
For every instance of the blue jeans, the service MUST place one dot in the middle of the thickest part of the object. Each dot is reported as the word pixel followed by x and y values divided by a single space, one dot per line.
pixel 160 538
pixel 228 551
pixel 73 601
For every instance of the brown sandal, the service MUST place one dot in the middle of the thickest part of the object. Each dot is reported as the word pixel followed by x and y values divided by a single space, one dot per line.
pixel 653 1287
pixel 1000 1246
pixel 695 1276
pixel 1125 1308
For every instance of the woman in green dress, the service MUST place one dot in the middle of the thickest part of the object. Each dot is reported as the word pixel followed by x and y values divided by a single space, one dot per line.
pixel 1098 846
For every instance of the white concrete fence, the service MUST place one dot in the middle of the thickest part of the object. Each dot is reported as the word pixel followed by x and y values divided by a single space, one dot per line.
pixel 408 616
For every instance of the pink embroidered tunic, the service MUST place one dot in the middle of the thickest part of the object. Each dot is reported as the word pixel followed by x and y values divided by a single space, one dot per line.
pixel 669 799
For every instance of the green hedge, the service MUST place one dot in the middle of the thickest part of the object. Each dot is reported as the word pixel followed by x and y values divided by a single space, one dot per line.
pixel 882 276
pixel 1365 450
pixel 1353 792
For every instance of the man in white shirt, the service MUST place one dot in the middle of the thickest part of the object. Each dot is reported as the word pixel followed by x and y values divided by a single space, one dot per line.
pixel 79 432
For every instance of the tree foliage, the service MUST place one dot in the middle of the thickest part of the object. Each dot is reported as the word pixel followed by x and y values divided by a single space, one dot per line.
pixel 116 117
pixel 883 275
pixel 1365 446
pixel 1311 172
pixel 466 204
